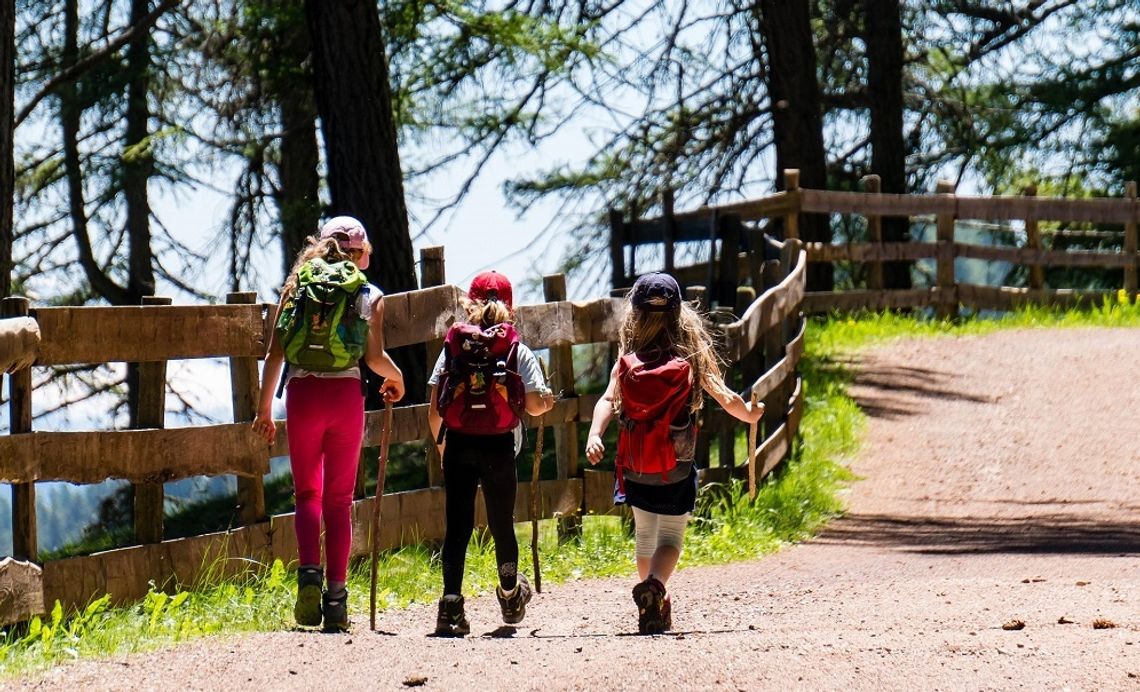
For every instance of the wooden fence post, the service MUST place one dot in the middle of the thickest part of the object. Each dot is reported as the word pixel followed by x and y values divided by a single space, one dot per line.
pixel 873 184
pixel 245 388
pixel 1131 243
pixel 150 503
pixel 947 288
pixel 432 273
pixel 730 230
pixel 25 544
pixel 1033 242
pixel 617 249
pixel 670 221
pixel 773 341
pixel 562 381
pixel 792 218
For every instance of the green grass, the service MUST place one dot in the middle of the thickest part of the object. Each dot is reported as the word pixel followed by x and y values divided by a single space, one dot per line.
pixel 790 505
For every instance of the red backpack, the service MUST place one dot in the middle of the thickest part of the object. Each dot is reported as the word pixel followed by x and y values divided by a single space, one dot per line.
pixel 480 391
pixel 653 395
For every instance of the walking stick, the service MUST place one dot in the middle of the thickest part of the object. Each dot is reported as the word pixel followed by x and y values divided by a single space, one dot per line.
pixel 752 453
pixel 534 496
pixel 375 527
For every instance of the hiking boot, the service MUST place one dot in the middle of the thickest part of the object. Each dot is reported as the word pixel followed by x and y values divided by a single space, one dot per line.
pixel 307 610
pixel 514 607
pixel 335 608
pixel 667 614
pixel 654 613
pixel 451 620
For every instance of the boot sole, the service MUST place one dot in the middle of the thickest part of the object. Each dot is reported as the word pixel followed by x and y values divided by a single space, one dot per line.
pixel 649 620
pixel 307 611
pixel 452 630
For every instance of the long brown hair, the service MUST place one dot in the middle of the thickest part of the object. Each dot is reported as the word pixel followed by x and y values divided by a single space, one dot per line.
pixel 327 249
pixel 680 333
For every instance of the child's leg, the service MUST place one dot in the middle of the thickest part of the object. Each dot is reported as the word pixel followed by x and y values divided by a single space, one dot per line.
pixel 659 540
pixel 500 483
pixel 670 537
pixel 645 532
pixel 345 409
pixel 460 480
pixel 305 423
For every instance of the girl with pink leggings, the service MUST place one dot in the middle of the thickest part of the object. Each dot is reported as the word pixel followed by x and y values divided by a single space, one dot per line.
pixel 325 420
pixel 324 416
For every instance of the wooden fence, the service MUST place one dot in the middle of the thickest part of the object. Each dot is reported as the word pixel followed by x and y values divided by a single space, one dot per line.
pixel 766 341
pixel 740 225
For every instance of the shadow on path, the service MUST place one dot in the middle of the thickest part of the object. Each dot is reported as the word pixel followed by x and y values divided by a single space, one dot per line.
pixel 1047 534
pixel 896 391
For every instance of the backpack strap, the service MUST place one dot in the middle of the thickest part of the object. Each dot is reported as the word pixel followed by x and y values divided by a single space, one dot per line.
pixel 284 377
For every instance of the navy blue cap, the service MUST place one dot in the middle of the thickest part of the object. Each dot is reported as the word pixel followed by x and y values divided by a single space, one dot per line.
pixel 656 292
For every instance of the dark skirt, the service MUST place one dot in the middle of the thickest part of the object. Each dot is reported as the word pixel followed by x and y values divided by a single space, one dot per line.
pixel 673 499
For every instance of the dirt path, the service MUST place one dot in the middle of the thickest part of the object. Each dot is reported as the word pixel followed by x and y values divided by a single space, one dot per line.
pixel 1001 481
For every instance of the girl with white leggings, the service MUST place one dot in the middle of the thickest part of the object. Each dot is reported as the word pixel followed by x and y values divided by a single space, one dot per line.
pixel 662 339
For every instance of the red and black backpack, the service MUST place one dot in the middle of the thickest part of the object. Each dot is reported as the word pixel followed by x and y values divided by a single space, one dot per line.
pixel 653 395
pixel 480 390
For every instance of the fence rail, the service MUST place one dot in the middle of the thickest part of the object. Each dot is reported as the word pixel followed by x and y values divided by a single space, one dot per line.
pixel 770 332
pixel 733 249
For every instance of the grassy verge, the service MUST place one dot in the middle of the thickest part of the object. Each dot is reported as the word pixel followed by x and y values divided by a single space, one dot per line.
pixel 790 505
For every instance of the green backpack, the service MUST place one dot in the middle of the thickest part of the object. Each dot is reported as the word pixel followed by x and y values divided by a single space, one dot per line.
pixel 319 326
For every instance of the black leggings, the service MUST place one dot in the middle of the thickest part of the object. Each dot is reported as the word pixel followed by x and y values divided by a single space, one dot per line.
pixel 467 461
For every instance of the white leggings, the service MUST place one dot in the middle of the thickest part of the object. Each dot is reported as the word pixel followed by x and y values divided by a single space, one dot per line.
pixel 656 530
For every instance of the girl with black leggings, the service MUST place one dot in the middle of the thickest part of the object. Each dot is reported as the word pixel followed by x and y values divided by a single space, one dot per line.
pixel 487 459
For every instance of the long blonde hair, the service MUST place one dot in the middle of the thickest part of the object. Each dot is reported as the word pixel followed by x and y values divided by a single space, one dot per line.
pixel 327 249
pixel 680 333
pixel 486 313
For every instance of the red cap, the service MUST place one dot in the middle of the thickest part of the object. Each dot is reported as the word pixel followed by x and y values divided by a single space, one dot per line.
pixel 491 286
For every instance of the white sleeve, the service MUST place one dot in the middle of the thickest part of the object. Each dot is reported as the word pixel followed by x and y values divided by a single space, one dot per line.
pixel 365 299
pixel 437 371
pixel 531 372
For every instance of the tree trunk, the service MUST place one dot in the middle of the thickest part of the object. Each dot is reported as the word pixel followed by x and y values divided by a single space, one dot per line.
pixel 7 120
pixel 884 42
pixel 298 202
pixel 138 163
pixel 797 120
pixel 354 100
pixel 137 167
pixel 70 113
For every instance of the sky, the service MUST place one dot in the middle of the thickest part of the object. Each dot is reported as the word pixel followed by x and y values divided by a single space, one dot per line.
pixel 484 232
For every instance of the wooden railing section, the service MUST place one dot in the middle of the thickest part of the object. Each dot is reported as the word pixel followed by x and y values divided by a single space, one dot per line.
pixel 769 336
pixel 739 225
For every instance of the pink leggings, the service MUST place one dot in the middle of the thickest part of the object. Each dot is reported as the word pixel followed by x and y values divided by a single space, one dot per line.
pixel 325 420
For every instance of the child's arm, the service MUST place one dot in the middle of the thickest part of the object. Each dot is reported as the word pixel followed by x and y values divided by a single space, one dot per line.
pixel 603 412
pixel 435 421
pixel 378 359
pixel 538 399
pixel 730 401
pixel 538 403
pixel 270 374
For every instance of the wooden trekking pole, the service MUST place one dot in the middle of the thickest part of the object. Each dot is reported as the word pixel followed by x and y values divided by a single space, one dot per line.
pixel 752 452
pixel 534 495
pixel 375 526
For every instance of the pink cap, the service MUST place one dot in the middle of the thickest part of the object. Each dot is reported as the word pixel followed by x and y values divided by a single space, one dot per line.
pixel 349 234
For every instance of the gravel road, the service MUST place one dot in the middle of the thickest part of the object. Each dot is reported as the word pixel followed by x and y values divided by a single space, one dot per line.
pixel 991 543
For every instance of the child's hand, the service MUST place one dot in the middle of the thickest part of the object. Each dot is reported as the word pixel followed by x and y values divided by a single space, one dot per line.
pixel 595 449
pixel 392 389
pixel 754 411
pixel 264 427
